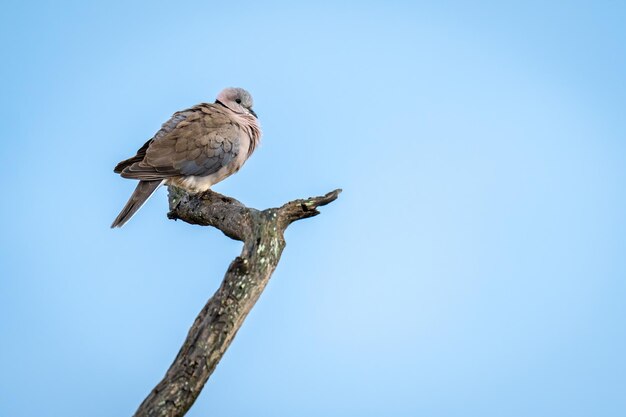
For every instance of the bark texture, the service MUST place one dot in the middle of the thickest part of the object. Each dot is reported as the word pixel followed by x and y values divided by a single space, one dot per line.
pixel 217 324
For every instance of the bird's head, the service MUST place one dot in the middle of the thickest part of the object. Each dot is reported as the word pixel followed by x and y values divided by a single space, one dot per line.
pixel 236 99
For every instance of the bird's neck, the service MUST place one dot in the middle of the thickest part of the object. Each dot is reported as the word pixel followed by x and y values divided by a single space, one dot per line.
pixel 251 125
pixel 254 131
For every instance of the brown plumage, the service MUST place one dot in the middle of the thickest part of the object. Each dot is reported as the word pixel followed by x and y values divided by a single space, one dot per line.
pixel 194 149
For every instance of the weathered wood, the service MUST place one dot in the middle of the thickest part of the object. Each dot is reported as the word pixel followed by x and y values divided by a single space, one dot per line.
pixel 262 234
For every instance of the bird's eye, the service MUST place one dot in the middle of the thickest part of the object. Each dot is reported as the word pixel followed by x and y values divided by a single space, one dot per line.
pixel 238 101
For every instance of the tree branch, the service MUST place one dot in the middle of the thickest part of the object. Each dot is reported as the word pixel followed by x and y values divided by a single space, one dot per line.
pixel 217 324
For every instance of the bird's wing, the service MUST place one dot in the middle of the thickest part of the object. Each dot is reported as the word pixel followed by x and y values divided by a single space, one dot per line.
pixel 166 128
pixel 200 144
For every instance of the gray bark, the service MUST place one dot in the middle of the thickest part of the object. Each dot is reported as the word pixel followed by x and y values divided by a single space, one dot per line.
pixel 215 327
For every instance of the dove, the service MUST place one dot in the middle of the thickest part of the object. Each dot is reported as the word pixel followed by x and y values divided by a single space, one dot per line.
pixel 195 149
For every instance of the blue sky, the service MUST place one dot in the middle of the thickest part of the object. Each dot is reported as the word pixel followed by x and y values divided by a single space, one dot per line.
pixel 473 266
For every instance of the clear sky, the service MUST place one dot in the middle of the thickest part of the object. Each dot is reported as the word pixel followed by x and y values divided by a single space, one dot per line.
pixel 474 265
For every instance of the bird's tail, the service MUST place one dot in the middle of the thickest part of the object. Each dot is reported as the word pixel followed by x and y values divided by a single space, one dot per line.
pixel 141 194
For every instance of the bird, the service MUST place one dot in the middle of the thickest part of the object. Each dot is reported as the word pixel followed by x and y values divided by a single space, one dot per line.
pixel 195 149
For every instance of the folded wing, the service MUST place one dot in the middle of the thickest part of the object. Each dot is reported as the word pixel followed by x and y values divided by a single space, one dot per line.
pixel 198 141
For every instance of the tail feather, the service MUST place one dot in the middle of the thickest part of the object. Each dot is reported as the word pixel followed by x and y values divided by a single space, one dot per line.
pixel 141 194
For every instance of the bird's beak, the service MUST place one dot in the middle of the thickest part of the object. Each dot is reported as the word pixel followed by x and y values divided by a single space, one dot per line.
pixel 253 113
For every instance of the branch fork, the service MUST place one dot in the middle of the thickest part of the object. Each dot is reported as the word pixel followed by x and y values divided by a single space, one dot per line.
pixel 262 234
